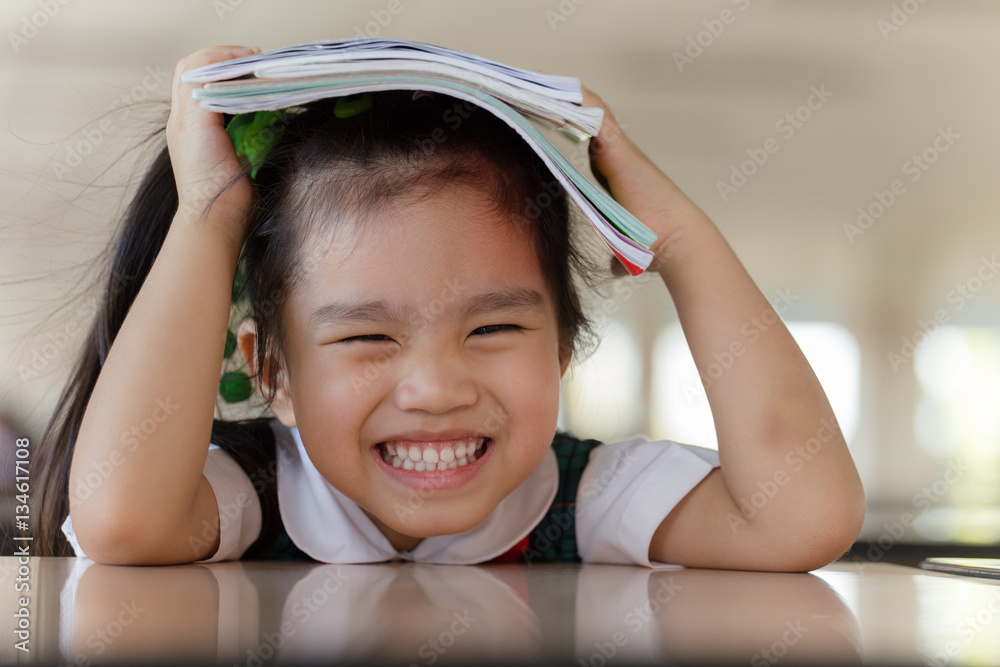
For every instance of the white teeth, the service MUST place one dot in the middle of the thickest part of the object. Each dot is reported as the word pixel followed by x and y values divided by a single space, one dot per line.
pixel 426 456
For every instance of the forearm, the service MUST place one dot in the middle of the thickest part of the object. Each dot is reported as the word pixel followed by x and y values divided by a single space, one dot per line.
pixel 787 496
pixel 756 379
pixel 784 461
pixel 147 426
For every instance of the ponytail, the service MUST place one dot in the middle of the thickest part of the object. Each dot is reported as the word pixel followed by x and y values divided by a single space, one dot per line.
pixel 143 230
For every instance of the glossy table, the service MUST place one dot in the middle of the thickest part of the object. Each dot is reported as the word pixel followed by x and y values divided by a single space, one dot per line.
pixel 254 614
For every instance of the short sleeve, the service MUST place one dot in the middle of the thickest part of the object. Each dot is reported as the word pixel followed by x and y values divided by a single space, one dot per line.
pixel 70 534
pixel 239 508
pixel 627 490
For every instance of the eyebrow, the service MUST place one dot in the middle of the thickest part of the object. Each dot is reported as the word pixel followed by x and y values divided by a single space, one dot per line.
pixel 510 299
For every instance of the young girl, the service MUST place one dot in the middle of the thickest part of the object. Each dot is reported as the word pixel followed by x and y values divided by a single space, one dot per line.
pixel 410 326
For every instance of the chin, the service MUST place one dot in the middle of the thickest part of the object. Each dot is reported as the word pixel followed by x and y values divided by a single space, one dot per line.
pixel 428 521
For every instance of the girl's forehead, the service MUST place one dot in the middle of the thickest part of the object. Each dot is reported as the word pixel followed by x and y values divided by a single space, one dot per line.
pixel 419 247
pixel 450 222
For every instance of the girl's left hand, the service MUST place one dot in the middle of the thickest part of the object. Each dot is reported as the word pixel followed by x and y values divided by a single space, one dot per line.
pixel 639 185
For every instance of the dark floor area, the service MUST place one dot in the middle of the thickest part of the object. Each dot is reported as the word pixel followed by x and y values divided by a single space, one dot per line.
pixel 912 554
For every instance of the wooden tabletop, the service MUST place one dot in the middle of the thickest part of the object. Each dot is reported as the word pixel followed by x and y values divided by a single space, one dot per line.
pixel 260 613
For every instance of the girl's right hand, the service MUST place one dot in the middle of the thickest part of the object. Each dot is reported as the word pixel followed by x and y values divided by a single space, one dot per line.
pixel 201 153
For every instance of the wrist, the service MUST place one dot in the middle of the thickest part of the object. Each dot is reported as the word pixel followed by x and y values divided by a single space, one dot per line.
pixel 655 200
pixel 216 202
pixel 220 234
pixel 687 241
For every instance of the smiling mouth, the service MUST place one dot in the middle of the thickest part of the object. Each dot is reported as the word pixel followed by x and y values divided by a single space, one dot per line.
pixel 431 456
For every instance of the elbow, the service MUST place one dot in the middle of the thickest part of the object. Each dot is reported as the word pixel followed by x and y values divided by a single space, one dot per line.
pixel 120 540
pixel 824 539
pixel 110 542
pixel 818 553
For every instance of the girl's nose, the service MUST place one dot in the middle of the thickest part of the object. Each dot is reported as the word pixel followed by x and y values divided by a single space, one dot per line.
pixel 436 384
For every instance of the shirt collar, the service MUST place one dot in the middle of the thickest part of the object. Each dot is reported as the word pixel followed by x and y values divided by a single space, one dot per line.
pixel 332 528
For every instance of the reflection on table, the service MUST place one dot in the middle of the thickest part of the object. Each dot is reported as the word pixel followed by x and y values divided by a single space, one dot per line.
pixel 273 613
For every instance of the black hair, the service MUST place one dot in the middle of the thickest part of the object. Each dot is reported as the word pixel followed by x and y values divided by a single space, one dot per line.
pixel 397 146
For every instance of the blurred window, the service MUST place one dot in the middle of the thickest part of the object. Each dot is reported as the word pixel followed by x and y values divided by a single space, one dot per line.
pixel 679 407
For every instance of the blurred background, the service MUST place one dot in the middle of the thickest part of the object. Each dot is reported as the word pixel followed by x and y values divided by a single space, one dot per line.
pixel 846 148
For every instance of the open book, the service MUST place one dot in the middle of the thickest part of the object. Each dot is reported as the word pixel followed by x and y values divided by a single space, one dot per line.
pixel 296 75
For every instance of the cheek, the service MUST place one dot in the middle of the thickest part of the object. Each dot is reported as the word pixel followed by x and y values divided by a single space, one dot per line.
pixel 330 412
pixel 528 388
pixel 323 387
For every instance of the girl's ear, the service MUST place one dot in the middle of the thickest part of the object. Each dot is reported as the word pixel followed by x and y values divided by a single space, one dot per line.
pixel 565 356
pixel 274 374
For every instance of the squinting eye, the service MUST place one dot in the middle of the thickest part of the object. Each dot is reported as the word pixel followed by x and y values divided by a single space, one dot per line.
pixel 496 328
pixel 367 338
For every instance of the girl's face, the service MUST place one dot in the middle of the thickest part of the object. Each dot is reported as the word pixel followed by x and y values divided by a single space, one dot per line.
pixel 422 362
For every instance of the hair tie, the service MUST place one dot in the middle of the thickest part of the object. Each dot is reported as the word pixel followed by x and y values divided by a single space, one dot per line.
pixel 255 134
pixel 352 105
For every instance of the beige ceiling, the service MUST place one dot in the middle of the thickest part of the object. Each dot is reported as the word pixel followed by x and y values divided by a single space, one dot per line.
pixel 892 93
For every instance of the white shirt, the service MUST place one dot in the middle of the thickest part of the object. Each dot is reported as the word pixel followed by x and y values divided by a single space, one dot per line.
pixel 626 491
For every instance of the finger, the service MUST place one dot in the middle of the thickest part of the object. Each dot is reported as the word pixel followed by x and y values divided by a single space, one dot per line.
pixel 214 54
pixel 609 140
pixel 591 99
pixel 610 125
pixel 181 92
